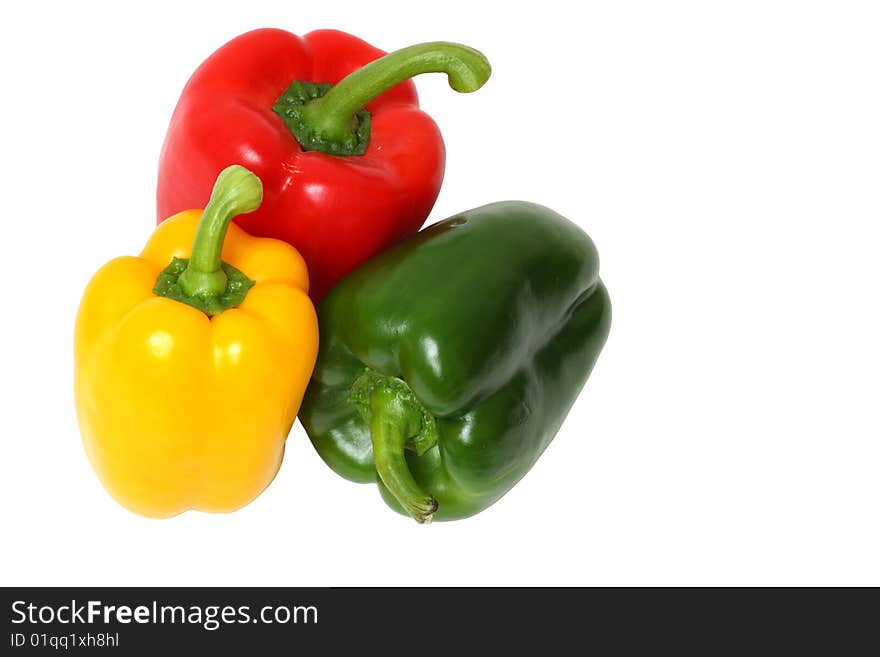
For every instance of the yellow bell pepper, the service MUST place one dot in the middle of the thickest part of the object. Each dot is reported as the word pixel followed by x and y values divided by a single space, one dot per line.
pixel 189 373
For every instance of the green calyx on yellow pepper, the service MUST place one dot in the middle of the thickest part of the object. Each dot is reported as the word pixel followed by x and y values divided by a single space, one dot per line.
pixel 204 281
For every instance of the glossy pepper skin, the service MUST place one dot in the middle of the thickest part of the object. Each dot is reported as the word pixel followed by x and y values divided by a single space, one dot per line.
pixel 448 363
pixel 182 407
pixel 341 184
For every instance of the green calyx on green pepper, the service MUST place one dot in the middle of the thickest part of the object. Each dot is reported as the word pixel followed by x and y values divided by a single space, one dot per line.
pixel 397 421
pixel 448 363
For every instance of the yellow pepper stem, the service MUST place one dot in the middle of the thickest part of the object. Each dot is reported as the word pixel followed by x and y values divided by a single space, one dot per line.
pixel 237 191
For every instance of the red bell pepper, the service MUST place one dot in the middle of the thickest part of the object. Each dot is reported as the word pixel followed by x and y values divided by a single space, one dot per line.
pixel 349 163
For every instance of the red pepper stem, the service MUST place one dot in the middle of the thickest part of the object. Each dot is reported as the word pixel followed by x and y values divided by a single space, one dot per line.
pixel 332 115
pixel 393 423
pixel 237 191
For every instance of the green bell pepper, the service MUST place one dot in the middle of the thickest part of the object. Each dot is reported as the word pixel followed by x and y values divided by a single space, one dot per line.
pixel 448 363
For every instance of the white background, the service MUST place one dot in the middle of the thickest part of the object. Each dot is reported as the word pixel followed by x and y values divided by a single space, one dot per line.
pixel 725 157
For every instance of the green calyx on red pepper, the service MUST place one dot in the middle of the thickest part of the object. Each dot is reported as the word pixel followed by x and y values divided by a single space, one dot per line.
pixel 333 119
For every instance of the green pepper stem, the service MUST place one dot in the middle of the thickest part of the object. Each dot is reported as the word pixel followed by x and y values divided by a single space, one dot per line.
pixel 393 422
pixel 332 116
pixel 237 191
